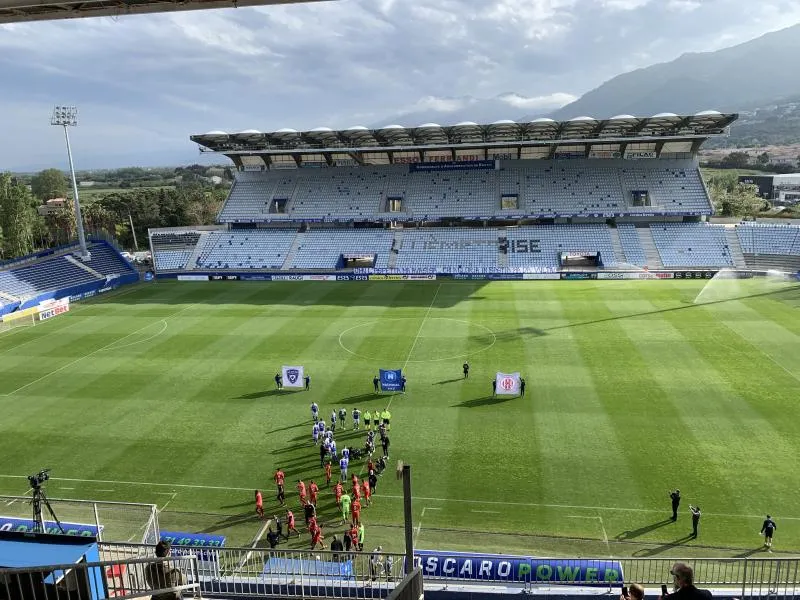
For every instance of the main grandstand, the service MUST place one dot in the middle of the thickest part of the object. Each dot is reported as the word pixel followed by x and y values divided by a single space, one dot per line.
pixel 624 194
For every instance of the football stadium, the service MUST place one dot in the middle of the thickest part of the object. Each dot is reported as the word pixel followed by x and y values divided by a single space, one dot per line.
pixel 552 330
pixel 486 358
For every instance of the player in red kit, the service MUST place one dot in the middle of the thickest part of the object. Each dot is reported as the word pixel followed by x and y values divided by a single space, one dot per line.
pixel 353 533
pixel 301 488
pixel 317 537
pixel 259 505
pixel 290 524
pixel 328 474
pixel 367 492
pixel 279 478
pixel 338 490
pixel 356 492
pixel 355 510
pixel 354 480
pixel 313 489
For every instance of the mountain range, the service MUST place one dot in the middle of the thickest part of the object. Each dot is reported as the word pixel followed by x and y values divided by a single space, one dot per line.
pixel 758 78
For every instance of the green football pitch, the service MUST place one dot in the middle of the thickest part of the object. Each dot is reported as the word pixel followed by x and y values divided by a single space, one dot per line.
pixel 163 393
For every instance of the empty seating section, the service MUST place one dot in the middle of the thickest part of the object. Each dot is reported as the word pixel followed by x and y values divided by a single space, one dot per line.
pixel 171 251
pixel 450 250
pixel 541 246
pixel 692 245
pixel 50 274
pixel 570 188
pixel 565 187
pixel 322 248
pixel 250 197
pixel 631 245
pixel 673 186
pixel 340 193
pixel 252 249
pixel 453 194
pixel 171 260
pixel 766 238
pixel 107 262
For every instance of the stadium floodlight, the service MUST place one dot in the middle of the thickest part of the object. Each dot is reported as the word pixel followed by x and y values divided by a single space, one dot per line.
pixel 67 116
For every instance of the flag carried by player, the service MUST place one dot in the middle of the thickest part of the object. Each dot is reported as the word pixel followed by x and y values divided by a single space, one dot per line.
pixel 391 380
pixel 292 377
pixel 507 384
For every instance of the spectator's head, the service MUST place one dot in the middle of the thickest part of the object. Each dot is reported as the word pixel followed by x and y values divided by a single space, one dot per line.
pixel 769 517
pixel 682 574
pixel 636 592
pixel 335 538
pixel 162 549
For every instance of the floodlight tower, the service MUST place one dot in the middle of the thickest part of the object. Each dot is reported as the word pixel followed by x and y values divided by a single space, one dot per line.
pixel 67 116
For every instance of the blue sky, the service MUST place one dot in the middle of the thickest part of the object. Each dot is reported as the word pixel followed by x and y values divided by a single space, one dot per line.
pixel 145 83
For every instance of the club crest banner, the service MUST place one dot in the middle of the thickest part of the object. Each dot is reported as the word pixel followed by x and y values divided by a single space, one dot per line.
pixel 292 376
pixel 507 383
pixel 390 380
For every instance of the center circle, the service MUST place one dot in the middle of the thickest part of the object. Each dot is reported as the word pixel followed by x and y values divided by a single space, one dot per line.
pixel 438 339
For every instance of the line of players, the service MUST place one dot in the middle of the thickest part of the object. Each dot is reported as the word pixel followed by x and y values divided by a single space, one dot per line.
pixel 350 506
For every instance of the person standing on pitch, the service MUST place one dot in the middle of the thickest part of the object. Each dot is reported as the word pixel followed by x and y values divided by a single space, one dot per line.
pixel 343 464
pixel 466 370
pixel 367 420
pixel 768 528
pixel 343 418
pixel 375 383
pixel 356 418
pixel 494 387
pixel 402 384
pixel 522 387
pixel 314 411
pixel 333 420
pixel 675 497
pixel 259 505
pixel 695 519
pixel 307 379
pixel 278 381
pixel 345 507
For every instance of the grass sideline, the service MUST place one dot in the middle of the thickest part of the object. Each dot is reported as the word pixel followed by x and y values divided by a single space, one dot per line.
pixel 163 393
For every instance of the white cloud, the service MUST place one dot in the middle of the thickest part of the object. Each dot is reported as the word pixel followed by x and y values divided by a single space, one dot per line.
pixel 166 76
pixel 551 101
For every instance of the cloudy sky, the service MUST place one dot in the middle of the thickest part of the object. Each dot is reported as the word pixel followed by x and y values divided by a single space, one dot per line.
pixel 144 83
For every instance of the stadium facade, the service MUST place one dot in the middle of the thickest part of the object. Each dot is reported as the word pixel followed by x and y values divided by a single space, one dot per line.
pixel 505 199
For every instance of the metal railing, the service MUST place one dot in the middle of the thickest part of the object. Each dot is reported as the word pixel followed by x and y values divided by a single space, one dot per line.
pixel 260 572
pixel 325 574
pixel 160 578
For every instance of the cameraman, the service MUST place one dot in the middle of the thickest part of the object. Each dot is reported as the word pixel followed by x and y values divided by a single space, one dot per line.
pixel 162 575
pixel 683 582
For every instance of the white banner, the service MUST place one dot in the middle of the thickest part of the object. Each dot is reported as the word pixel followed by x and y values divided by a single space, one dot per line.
pixel 52 308
pixel 507 384
pixel 292 376
pixel 636 275
pixel 540 276
pixel 192 277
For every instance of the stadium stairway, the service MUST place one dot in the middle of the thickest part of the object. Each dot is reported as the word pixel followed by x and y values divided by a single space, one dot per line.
pixel 82 265
pixel 616 245
pixel 191 262
pixel 502 257
pixel 397 243
pixel 296 243
pixel 735 248
pixel 649 246
pixel 9 297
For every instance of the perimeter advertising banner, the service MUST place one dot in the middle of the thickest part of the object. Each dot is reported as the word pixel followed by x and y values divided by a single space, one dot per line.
pixel 518 569
pixel 27 526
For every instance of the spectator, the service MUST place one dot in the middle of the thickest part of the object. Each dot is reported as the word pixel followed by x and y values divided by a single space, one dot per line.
pixel 636 592
pixel 373 482
pixel 163 575
pixel 348 541
pixel 272 539
pixel 683 578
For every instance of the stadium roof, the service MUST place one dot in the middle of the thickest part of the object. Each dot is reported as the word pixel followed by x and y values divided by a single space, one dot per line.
pixel 579 130
pixel 12 11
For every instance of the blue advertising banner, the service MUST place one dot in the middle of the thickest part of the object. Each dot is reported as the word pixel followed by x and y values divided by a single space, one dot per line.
pixel 391 380
pixel 495 567
pixel 26 526
pixel 484 165
pixel 198 544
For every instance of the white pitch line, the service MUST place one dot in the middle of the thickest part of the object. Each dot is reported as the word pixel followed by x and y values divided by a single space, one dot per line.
pixel 416 339
pixel 416 498
pixel 487 512
pixel 166 504
pixel 92 353
pixel 254 543
pixel 109 491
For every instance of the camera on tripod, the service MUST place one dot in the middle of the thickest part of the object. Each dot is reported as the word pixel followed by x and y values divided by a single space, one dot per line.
pixel 39 478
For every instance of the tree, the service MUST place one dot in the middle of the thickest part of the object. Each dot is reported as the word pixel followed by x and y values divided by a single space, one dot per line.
pixel 17 218
pixel 735 160
pixel 49 184
pixel 763 159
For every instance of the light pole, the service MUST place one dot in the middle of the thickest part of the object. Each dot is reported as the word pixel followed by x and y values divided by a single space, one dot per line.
pixel 67 116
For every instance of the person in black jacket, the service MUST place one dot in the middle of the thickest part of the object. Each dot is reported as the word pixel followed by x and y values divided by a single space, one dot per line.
pixel 768 528
pixel 695 518
pixel 676 502
pixel 683 579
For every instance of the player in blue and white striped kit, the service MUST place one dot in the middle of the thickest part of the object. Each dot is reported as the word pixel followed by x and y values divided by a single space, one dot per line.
pixel 321 426
pixel 333 420
pixel 333 448
pixel 314 412
pixel 346 453
pixel 315 433
pixel 343 468
pixel 356 419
